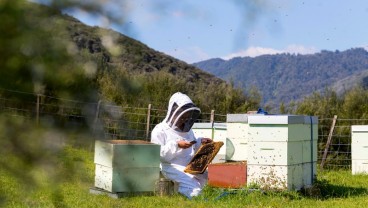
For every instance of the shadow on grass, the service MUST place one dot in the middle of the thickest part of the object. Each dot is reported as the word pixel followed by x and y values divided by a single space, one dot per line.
pixel 323 189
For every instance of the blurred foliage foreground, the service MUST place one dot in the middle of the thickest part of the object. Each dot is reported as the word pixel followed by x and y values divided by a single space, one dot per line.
pixel 34 160
pixel 34 60
pixel 36 53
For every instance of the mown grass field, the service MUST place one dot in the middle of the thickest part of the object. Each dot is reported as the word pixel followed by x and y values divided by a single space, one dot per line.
pixel 51 168
pixel 66 183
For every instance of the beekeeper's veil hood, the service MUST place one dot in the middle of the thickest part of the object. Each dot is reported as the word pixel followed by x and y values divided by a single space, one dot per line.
pixel 181 113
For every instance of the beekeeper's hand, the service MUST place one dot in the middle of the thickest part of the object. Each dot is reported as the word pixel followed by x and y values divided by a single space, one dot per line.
pixel 206 140
pixel 184 144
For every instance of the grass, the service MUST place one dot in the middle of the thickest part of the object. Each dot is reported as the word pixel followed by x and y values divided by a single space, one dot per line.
pixel 68 186
pixel 47 175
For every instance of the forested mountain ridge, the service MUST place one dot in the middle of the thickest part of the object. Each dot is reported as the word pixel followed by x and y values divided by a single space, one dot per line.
pixel 283 78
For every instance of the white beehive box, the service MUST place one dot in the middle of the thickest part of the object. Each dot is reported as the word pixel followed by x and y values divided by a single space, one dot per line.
pixel 359 149
pixel 291 177
pixel 237 137
pixel 220 134
pixel 282 151
pixel 214 131
pixel 203 130
pixel 126 165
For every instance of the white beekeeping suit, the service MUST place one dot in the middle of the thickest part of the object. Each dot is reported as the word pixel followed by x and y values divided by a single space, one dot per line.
pixel 174 128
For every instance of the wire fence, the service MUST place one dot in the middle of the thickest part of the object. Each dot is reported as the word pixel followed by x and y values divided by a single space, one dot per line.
pixel 336 151
pixel 113 121
pixel 118 122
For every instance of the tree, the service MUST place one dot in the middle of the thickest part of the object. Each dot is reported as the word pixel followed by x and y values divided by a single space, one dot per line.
pixel 324 105
pixel 356 103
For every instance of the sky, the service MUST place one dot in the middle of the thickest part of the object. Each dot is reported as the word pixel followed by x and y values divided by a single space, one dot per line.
pixel 198 30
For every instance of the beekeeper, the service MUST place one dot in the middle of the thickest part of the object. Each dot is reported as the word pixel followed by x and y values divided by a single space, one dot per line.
pixel 178 144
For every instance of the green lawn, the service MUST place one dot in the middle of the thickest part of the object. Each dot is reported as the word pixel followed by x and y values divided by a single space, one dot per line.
pixel 64 181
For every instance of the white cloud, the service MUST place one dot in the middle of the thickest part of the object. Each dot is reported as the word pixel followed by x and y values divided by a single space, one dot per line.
pixel 366 47
pixel 258 51
pixel 299 49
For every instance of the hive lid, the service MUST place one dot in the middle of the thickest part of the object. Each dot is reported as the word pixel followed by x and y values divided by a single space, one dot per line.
pixel 235 118
pixel 209 125
pixel 359 128
pixel 202 126
pixel 126 142
pixel 282 119
pixel 203 157
pixel 219 126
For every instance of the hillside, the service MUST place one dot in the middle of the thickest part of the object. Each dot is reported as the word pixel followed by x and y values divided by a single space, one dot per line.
pixel 132 55
pixel 359 78
pixel 285 77
pixel 56 55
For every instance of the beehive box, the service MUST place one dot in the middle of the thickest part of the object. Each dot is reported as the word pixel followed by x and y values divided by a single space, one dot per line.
pixel 359 149
pixel 290 177
pixel 203 130
pixel 237 137
pixel 282 151
pixel 217 132
pixel 227 175
pixel 126 165
pixel 219 135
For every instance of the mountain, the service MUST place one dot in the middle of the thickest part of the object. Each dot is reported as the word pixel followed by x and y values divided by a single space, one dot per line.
pixel 343 85
pixel 283 78
pixel 130 54
pixel 56 55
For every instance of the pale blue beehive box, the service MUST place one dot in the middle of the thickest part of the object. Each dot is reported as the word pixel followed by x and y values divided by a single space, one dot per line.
pixel 126 165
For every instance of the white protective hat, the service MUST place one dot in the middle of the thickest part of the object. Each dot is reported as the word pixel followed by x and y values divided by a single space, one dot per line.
pixel 181 113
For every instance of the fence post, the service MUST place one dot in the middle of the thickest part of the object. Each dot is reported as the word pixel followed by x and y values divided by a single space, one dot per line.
pixel 328 141
pixel 38 109
pixel 148 122
pixel 96 116
pixel 97 112
pixel 212 120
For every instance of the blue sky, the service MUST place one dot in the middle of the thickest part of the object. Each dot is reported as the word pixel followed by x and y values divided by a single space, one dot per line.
pixel 196 30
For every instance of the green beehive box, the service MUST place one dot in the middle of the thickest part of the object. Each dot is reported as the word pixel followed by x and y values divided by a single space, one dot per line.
pixel 126 165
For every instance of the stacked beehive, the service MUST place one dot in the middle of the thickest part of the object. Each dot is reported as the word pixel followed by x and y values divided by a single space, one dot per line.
pixel 272 151
pixel 233 173
pixel 282 151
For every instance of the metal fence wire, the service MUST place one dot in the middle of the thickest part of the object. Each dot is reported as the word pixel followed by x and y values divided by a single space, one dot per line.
pixel 111 121
pixel 337 151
